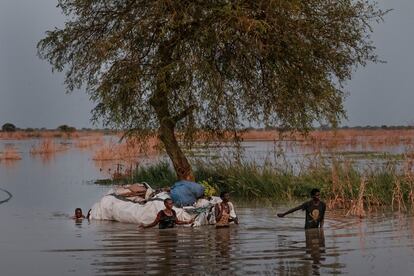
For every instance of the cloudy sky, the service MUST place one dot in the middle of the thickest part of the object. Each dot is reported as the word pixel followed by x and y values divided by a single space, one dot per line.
pixel 32 96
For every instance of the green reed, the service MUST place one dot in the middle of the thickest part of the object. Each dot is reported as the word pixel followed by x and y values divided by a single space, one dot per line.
pixel 340 180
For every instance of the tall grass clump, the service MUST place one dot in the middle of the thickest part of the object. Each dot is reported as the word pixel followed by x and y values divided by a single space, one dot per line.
pixel 344 185
pixel 47 146
pixel 158 175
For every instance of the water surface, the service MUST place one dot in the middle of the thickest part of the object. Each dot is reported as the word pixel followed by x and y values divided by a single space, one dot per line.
pixel 38 238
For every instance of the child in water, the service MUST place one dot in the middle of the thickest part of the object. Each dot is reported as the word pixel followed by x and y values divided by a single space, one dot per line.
pixel 78 214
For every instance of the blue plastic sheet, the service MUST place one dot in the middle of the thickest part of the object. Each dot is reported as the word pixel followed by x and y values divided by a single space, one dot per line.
pixel 185 193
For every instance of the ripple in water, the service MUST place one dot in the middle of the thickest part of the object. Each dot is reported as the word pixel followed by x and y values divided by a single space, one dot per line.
pixel 261 245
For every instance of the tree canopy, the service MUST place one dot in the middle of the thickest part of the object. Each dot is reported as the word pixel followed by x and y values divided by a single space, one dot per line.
pixel 8 127
pixel 66 128
pixel 212 65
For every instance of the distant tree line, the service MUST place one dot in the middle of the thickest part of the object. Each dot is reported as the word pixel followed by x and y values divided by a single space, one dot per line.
pixel 390 127
pixel 9 127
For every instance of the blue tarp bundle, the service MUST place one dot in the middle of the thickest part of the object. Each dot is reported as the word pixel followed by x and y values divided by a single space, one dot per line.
pixel 185 193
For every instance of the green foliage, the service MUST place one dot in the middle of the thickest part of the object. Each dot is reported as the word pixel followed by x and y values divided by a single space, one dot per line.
pixel 249 181
pixel 209 67
pixel 209 190
pixel 212 65
pixel 157 175
pixel 104 182
pixel 8 127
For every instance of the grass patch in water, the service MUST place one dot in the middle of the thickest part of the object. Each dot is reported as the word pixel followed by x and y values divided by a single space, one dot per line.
pixel 106 181
pixel 341 183
pixel 157 175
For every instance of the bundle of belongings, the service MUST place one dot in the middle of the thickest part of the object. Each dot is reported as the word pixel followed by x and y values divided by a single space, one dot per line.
pixel 185 193
pixel 133 192
pixel 139 203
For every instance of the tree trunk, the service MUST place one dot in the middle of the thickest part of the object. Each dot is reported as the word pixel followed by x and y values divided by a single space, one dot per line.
pixel 159 101
pixel 181 165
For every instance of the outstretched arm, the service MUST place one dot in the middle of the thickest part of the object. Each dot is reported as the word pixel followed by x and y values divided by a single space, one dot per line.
pixel 180 222
pixel 281 215
pixel 155 222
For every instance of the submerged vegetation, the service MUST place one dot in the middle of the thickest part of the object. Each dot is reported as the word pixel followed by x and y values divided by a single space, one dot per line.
pixel 10 153
pixel 127 150
pixel 357 169
pixel 47 146
pixel 344 185
pixel 38 134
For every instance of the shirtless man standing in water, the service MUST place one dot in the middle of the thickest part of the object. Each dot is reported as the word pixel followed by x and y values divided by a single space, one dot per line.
pixel 224 211
pixel 315 211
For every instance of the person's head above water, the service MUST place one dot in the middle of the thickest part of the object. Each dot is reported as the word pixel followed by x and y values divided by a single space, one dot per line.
pixel 168 202
pixel 315 194
pixel 225 196
pixel 78 213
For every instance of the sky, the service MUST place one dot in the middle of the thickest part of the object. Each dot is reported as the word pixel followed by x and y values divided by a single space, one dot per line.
pixel 32 96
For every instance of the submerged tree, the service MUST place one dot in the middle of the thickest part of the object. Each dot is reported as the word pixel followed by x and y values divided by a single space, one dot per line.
pixel 210 66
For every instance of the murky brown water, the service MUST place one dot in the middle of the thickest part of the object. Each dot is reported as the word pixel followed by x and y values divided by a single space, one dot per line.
pixel 38 238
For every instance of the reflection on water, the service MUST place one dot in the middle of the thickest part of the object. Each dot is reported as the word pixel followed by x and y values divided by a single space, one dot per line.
pixel 262 245
pixel 9 163
pixel 37 236
pixel 315 247
pixel 45 158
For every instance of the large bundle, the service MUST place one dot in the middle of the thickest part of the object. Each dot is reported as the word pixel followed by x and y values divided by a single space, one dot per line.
pixel 112 207
pixel 186 193
pixel 118 208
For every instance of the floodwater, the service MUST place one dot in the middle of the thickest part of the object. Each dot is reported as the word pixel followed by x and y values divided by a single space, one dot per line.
pixel 37 237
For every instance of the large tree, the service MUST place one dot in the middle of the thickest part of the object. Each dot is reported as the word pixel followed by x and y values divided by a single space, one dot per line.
pixel 209 66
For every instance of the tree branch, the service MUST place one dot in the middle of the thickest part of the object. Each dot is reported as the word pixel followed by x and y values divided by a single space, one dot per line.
pixel 184 113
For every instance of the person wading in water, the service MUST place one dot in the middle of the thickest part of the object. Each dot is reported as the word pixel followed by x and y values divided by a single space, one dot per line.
pixel 315 211
pixel 166 218
pixel 224 211
pixel 78 214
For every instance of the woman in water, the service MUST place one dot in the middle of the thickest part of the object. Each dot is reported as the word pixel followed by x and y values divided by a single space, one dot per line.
pixel 224 211
pixel 166 218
